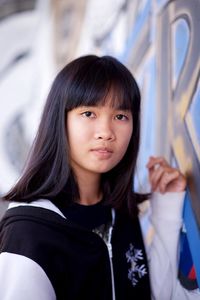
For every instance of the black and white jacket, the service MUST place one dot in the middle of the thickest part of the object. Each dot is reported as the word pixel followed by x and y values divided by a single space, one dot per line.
pixel 45 257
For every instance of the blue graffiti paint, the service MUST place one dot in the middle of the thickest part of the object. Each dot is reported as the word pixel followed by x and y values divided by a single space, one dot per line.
pixel 137 29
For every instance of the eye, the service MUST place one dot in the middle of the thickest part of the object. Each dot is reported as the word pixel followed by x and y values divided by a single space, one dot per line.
pixel 88 114
pixel 121 117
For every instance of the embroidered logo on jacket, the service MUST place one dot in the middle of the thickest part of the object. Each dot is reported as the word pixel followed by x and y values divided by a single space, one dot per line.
pixel 138 268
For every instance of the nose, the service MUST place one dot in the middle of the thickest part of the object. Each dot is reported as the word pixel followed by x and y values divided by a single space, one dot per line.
pixel 104 131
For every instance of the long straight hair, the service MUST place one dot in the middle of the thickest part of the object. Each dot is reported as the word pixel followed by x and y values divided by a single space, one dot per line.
pixel 86 81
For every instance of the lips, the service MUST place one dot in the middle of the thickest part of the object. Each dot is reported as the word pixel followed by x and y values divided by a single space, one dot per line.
pixel 102 152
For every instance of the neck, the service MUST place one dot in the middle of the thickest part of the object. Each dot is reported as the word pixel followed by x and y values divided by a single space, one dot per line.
pixel 89 188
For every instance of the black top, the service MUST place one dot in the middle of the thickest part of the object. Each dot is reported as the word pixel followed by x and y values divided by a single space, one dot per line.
pixel 87 216
pixel 76 259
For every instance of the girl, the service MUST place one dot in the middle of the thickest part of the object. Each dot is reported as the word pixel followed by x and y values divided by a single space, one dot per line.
pixel 71 230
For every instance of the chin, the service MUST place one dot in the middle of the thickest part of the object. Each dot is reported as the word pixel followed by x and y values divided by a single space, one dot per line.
pixel 106 169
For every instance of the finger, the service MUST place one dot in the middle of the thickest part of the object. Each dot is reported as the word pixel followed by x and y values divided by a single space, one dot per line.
pixel 155 167
pixel 153 161
pixel 181 183
pixel 155 176
pixel 166 179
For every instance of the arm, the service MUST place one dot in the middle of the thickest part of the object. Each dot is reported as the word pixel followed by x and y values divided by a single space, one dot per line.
pixel 21 279
pixel 168 185
pixel 166 219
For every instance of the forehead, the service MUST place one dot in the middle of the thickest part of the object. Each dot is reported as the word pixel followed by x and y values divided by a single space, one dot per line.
pixel 113 94
pixel 115 100
pixel 112 105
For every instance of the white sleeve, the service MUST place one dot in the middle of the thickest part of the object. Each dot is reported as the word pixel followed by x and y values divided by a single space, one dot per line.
pixel 23 279
pixel 166 218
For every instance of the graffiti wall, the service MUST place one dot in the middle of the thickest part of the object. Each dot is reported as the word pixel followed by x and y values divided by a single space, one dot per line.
pixel 157 39
pixel 26 69
pixel 163 51
pixel 159 42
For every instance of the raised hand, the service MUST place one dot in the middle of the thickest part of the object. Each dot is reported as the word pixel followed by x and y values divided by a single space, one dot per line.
pixel 163 178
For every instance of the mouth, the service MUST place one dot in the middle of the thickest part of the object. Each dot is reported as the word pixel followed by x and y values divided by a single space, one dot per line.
pixel 102 152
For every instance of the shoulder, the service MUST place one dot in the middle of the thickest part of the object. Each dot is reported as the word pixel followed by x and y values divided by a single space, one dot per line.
pixel 26 230
pixel 40 203
pixel 25 225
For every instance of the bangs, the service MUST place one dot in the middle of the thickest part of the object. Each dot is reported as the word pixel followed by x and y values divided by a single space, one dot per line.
pixel 99 83
pixel 116 96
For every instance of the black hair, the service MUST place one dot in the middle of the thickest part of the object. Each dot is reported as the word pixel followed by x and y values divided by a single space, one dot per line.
pixel 87 80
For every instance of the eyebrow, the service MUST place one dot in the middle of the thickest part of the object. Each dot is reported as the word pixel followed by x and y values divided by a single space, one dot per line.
pixel 96 106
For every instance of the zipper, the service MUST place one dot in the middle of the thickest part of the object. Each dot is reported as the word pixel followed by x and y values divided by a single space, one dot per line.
pixel 109 246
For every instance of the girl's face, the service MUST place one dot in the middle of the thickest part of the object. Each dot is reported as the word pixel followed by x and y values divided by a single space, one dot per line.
pixel 98 137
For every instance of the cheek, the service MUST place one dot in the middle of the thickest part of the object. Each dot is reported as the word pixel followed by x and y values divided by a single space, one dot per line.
pixel 126 136
pixel 73 139
pixel 77 135
pixel 125 144
pixel 125 140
